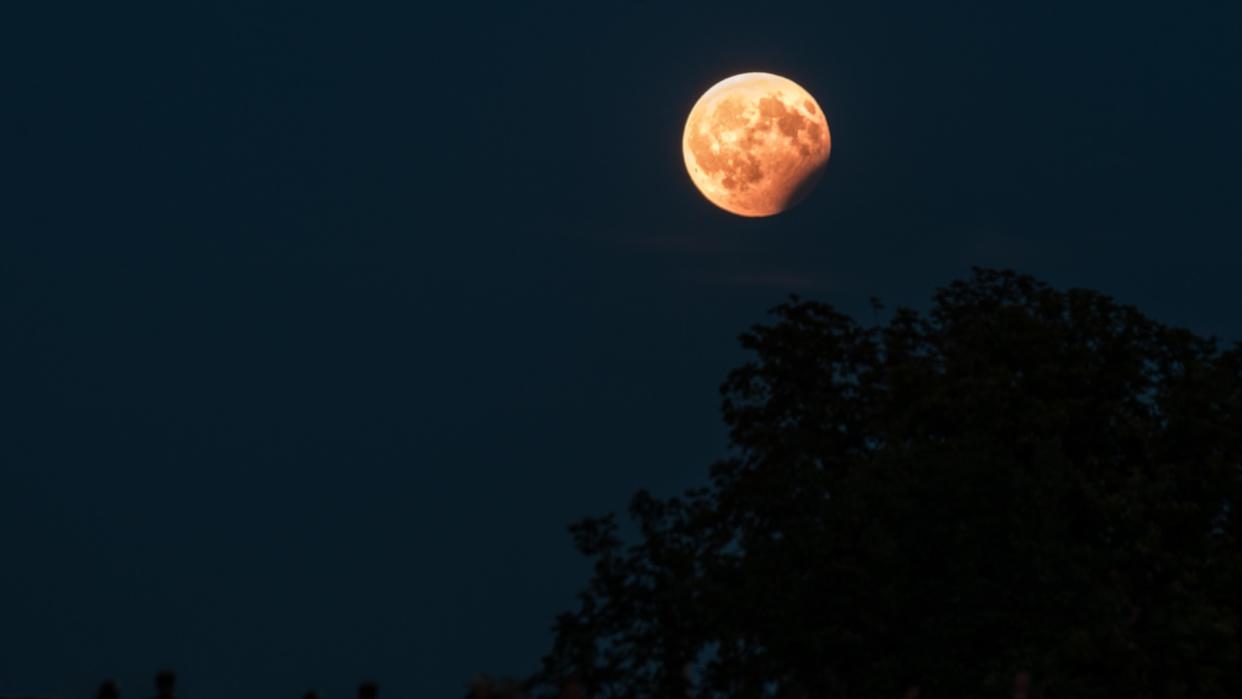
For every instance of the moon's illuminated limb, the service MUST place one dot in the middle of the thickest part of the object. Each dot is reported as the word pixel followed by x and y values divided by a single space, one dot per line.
pixel 755 144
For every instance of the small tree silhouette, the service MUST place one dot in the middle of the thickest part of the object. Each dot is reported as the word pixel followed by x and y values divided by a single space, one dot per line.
pixel 165 684
pixel 484 687
pixel 108 690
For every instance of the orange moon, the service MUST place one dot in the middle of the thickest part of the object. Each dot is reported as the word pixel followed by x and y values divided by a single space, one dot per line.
pixel 755 144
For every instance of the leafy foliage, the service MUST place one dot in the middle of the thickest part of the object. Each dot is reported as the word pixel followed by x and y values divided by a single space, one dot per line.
pixel 1019 479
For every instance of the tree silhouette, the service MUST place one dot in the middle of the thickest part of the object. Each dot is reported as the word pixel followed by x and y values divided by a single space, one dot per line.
pixel 485 687
pixel 165 684
pixel 108 690
pixel 1021 491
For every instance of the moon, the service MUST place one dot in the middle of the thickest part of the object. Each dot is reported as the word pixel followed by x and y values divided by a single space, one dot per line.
pixel 756 144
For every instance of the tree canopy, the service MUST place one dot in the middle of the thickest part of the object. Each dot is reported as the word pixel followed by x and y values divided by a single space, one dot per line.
pixel 1018 479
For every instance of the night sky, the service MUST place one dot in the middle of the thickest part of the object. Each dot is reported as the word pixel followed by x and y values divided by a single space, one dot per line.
pixel 320 322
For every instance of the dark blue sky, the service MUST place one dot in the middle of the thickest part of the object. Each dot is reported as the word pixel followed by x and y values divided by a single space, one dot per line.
pixel 321 322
